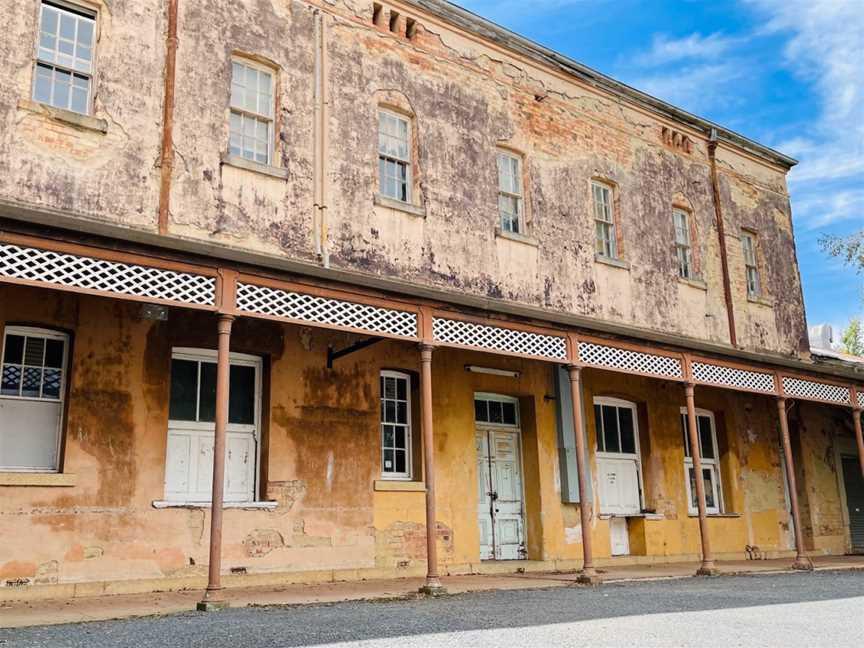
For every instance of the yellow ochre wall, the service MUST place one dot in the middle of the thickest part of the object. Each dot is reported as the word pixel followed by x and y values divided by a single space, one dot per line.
pixel 320 462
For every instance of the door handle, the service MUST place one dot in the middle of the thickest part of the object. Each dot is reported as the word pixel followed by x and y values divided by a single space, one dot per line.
pixel 494 496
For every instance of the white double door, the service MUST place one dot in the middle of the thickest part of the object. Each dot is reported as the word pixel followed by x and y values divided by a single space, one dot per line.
pixel 500 500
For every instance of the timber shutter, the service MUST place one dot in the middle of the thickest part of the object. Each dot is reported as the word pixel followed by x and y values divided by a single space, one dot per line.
pixel 567 439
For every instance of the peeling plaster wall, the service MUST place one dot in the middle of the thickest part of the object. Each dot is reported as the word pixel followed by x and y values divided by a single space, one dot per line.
pixel 466 97
pixel 321 459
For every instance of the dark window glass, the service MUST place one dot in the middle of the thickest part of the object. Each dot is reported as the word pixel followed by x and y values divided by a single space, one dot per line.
pixel 628 434
pixel 11 380
pixel 14 352
pixel 401 466
pixel 54 354
pixel 709 489
pixel 207 402
pixel 32 382
pixel 389 461
pixel 685 431
pixel 693 500
pixel 402 389
pixel 184 388
pixel 510 413
pixel 598 427
pixel 390 411
pixel 706 443
pixel 610 429
pixel 389 437
pixel 400 437
pixel 495 412
pixel 241 402
pixel 51 383
pixel 480 411
pixel 402 412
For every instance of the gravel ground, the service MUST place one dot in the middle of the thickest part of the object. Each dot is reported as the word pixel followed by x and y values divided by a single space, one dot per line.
pixel 788 610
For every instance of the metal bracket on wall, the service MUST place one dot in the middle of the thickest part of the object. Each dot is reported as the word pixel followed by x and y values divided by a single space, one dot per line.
pixel 357 346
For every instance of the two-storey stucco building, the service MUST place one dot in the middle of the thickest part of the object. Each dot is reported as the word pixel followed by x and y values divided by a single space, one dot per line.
pixel 405 271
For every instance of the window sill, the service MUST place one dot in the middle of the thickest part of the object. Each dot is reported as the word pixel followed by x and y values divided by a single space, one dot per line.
pixel 398 205
pixel 714 515
pixel 265 506
pixel 65 116
pixel 518 238
pixel 37 479
pixel 255 167
pixel 615 263
pixel 761 301
pixel 694 283
pixel 647 516
pixel 393 485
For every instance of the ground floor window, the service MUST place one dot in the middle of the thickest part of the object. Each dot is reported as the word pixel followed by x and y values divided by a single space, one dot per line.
pixel 191 427
pixel 32 391
pixel 707 434
pixel 396 455
pixel 619 463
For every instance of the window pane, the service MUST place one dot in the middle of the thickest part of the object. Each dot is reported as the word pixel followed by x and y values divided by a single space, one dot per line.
pixel 14 351
pixel 481 412
pixel 389 461
pixel 685 431
pixel 390 411
pixel 496 414
pixel 85 33
pixel 402 389
pixel 401 465
pixel 598 427
pixel 510 413
pixel 706 440
pixel 79 100
pixel 34 352
pixel 402 412
pixel 49 20
pixel 42 86
pixel 610 429
pixel 207 398
pixel 399 440
pixel 32 382
pixel 51 383
pixel 389 436
pixel 628 434
pixel 184 387
pixel 241 400
pixel 11 380
pixel 62 82
pixel 691 476
pixel 708 480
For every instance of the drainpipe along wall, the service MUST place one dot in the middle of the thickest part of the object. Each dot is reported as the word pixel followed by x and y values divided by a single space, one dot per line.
pixel 166 162
pixel 721 234
pixel 321 142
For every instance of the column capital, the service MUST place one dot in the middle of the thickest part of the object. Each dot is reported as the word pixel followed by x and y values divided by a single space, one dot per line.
pixel 427 347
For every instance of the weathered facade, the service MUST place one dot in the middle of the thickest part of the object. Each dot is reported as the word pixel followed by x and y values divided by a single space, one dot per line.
pixel 574 258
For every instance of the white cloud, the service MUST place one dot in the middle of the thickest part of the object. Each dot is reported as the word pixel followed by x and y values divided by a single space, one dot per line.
pixel 695 46
pixel 826 49
pixel 696 87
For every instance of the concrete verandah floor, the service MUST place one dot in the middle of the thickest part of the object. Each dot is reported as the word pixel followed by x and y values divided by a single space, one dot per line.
pixel 77 610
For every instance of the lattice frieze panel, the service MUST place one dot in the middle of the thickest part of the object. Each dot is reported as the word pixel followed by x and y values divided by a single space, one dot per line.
pixel 324 310
pixel 498 338
pixel 812 390
pixel 860 398
pixel 730 377
pixel 610 357
pixel 46 266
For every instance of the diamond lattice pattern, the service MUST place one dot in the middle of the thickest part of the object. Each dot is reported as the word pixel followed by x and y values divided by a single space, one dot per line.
pixel 815 390
pixel 91 273
pixel 601 355
pixel 323 310
pixel 730 377
pixel 860 398
pixel 498 338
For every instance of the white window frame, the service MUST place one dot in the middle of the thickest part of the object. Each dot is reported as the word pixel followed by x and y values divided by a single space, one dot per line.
pixel 749 245
pixel 392 475
pixel 518 198
pixel 244 113
pixel 498 398
pixel 239 359
pixel 605 228
pixel 49 334
pixel 713 465
pixel 407 162
pixel 79 12
pixel 683 243
pixel 634 456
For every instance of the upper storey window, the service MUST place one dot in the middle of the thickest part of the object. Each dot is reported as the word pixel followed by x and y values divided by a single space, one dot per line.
pixel 394 156
pixel 64 57
pixel 510 199
pixel 604 218
pixel 251 128
pixel 683 245
pixel 748 242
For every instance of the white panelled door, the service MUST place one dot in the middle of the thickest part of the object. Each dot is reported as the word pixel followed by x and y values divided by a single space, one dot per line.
pixel 499 479
pixel 191 426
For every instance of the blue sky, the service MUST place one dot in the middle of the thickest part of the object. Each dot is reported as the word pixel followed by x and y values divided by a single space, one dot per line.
pixel 787 73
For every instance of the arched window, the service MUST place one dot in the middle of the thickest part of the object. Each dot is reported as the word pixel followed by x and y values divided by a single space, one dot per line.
pixel 32 392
